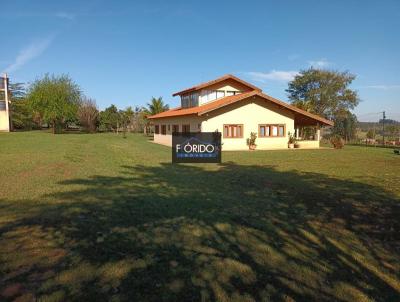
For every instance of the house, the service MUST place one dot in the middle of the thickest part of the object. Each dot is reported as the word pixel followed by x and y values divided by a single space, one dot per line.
pixel 236 108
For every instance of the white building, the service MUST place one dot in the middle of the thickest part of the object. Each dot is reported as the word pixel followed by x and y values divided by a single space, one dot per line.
pixel 4 105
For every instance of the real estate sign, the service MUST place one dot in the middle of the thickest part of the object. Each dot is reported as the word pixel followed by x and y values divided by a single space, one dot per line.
pixel 194 147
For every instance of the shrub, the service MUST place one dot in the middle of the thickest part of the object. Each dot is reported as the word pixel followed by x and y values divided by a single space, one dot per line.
pixel 251 141
pixel 292 139
pixel 337 142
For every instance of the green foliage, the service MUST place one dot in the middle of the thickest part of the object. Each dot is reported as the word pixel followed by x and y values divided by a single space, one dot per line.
pixel 128 114
pixel 109 119
pixel 371 134
pixel 21 113
pixel 323 92
pixel 292 139
pixel 124 119
pixel 393 131
pixel 251 141
pixel 55 98
pixel 138 121
pixel 98 218
pixel 155 106
pixel 345 126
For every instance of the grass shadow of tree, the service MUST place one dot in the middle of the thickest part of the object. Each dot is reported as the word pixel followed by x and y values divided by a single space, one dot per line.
pixel 185 232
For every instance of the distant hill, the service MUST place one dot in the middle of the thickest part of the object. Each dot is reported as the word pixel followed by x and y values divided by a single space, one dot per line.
pixel 365 126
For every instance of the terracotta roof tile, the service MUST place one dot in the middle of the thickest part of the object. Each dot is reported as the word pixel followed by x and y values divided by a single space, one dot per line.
pixel 200 110
pixel 206 107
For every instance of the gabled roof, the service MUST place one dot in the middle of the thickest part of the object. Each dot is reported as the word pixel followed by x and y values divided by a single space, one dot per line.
pixel 209 83
pixel 203 109
pixel 198 110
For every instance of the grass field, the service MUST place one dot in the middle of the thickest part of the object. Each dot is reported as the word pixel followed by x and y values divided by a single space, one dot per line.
pixel 101 218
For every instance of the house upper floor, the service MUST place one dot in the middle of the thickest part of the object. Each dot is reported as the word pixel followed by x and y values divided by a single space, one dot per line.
pixel 224 86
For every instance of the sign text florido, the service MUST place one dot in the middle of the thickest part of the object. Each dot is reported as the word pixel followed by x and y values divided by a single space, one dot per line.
pixel 193 147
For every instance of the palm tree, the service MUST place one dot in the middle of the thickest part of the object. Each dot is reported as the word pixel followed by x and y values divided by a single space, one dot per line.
pixel 156 105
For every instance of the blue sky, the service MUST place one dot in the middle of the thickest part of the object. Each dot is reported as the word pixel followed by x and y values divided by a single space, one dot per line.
pixel 125 52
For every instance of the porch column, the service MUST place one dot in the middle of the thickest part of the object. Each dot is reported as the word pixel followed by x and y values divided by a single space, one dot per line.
pixel 318 136
pixel 297 132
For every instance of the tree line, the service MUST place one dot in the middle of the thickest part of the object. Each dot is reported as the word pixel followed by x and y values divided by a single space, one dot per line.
pixel 58 103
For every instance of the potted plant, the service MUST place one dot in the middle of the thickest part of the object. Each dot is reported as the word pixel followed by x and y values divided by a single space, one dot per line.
pixel 291 141
pixel 251 141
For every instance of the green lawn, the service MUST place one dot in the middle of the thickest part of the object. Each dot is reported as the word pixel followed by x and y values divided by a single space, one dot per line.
pixel 99 217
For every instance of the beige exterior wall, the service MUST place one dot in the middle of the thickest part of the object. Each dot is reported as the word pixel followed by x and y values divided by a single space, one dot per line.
pixel 4 122
pixel 250 113
pixel 308 144
pixel 193 121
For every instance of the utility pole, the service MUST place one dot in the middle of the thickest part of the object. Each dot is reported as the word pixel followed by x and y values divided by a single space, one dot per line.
pixel 383 126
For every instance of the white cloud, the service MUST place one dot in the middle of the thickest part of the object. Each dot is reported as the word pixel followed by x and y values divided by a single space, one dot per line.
pixel 382 87
pixel 273 75
pixel 28 53
pixel 320 63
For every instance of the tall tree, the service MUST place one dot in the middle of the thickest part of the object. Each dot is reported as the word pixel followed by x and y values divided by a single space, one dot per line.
pixel 56 98
pixel 129 115
pixel 140 119
pixel 109 119
pixel 156 105
pixel 125 118
pixel 345 125
pixel 21 114
pixel 323 92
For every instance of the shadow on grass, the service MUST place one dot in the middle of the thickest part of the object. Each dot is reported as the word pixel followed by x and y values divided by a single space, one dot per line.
pixel 186 233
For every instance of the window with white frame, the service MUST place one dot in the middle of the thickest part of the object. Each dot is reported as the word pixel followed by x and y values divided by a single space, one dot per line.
pixel 267 130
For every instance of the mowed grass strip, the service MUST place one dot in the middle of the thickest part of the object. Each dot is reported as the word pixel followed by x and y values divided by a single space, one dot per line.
pixel 99 217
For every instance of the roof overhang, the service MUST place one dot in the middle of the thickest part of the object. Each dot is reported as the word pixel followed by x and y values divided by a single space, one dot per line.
pixel 301 116
pixel 216 81
pixel 306 116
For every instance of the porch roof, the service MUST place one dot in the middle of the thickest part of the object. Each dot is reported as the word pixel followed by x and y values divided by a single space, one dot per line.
pixel 302 117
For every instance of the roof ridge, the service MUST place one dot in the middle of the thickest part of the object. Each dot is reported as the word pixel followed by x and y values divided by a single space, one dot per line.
pixel 214 81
